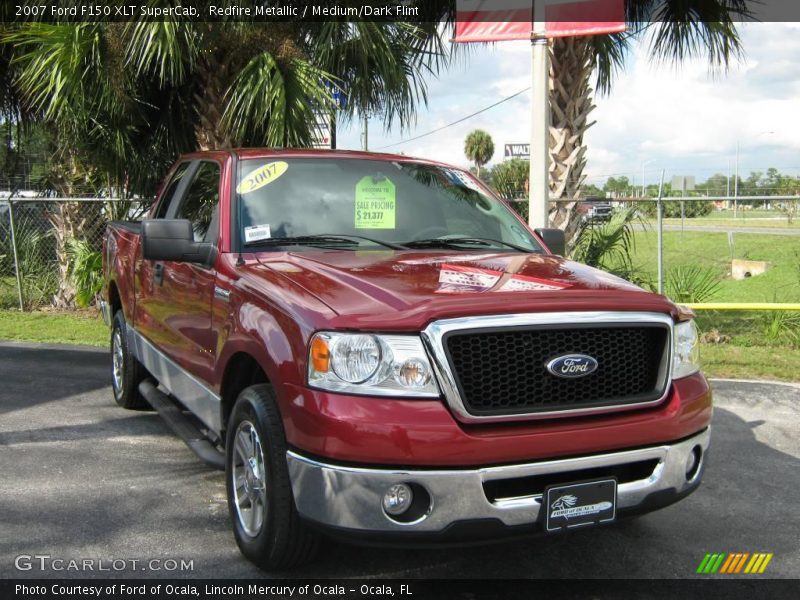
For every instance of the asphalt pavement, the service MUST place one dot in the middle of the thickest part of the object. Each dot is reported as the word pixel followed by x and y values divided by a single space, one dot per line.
pixel 83 479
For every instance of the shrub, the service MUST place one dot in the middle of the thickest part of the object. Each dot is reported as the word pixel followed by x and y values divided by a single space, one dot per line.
pixel 86 270
pixel 39 281
pixel 781 327
pixel 691 283
pixel 610 245
pixel 672 209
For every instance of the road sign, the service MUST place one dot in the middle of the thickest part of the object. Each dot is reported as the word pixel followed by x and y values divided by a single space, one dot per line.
pixel 517 150
pixel 498 20
pixel 684 183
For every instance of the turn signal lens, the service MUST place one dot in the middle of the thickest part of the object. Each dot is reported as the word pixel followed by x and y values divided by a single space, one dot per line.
pixel 371 364
pixel 413 373
pixel 320 355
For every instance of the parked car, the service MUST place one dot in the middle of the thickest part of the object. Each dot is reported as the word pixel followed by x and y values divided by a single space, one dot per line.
pixel 594 209
pixel 376 347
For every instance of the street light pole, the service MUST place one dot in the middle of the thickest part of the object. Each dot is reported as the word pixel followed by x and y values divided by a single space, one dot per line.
pixel 644 164
pixel 736 174
pixel 736 182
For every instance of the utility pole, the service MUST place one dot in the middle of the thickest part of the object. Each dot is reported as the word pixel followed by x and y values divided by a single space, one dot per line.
pixel 539 176
pixel 736 182
pixel 364 133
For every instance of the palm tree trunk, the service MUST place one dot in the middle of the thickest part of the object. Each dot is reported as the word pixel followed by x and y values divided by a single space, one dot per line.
pixel 71 220
pixel 571 66
pixel 214 76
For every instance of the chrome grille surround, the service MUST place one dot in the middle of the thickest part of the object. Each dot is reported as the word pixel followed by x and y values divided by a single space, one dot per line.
pixel 434 338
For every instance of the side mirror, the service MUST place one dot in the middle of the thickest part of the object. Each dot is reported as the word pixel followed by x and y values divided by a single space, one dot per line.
pixel 553 239
pixel 173 239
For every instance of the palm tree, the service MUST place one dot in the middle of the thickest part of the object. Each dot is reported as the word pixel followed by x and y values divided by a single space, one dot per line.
pixel 676 31
pixel 479 148
pixel 126 98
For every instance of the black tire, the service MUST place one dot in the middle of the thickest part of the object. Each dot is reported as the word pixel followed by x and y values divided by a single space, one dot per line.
pixel 125 383
pixel 282 540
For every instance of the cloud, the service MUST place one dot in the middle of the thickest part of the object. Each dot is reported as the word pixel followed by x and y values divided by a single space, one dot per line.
pixel 685 119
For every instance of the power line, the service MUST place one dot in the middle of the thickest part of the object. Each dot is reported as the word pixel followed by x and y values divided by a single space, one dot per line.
pixel 455 122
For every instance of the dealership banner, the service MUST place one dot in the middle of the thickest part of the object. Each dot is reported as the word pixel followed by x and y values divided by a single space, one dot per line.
pixel 408 589
pixel 499 20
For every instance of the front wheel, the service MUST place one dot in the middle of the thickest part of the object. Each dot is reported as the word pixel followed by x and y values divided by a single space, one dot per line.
pixel 266 525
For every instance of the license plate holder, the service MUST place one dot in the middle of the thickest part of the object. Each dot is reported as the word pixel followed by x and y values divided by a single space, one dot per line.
pixel 581 504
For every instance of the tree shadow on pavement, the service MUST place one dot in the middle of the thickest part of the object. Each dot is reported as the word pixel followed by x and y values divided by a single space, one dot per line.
pixel 33 375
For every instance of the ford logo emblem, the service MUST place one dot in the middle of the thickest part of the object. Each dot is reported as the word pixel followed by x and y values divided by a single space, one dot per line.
pixel 572 366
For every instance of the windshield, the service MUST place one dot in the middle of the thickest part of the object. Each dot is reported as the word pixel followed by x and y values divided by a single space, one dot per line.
pixel 374 202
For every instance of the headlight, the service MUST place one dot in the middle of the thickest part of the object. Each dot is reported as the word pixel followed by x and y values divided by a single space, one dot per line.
pixel 686 356
pixel 381 365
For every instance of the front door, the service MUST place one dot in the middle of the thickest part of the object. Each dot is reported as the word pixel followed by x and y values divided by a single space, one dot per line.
pixel 174 307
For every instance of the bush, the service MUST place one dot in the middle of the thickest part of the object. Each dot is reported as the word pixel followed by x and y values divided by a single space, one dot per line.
pixel 610 246
pixel 691 283
pixel 86 270
pixel 781 327
pixel 35 251
pixel 672 209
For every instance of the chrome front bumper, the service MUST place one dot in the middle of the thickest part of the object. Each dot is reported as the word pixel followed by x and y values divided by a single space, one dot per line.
pixel 351 498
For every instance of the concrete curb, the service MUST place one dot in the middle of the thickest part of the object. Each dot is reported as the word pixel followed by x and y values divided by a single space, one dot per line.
pixel 757 381
pixel 48 346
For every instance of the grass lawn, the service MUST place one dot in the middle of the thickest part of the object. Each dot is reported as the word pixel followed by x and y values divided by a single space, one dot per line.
pixel 781 282
pixel 754 362
pixel 78 327
pixel 771 223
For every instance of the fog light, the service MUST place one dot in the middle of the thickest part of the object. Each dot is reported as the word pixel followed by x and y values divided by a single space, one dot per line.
pixel 397 499
pixel 693 462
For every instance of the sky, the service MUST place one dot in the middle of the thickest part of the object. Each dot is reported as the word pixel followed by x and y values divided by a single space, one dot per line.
pixel 684 119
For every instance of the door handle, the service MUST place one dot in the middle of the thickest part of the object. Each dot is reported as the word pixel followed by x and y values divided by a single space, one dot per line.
pixel 158 273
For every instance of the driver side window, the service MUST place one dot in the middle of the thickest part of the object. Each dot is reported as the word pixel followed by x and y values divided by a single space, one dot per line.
pixel 200 203
pixel 169 197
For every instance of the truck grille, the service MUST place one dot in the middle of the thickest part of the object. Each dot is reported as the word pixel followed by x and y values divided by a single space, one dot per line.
pixel 502 371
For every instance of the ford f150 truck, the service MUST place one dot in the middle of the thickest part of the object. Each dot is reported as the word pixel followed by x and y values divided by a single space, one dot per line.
pixel 378 348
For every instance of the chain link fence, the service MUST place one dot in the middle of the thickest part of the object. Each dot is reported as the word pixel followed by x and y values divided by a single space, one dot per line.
pixel 47 246
pixel 50 248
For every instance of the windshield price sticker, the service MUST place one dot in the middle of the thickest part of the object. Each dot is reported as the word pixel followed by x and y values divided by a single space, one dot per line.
pixel 262 176
pixel 375 204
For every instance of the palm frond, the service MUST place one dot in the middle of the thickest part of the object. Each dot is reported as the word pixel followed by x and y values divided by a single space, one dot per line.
pixel 268 105
pixel 166 49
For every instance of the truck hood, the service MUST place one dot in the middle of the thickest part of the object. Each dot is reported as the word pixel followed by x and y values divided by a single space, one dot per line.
pixel 405 290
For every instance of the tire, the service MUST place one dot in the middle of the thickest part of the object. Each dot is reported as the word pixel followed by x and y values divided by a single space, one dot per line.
pixel 126 371
pixel 266 525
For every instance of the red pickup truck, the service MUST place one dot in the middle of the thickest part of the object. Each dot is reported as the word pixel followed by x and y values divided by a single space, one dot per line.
pixel 376 347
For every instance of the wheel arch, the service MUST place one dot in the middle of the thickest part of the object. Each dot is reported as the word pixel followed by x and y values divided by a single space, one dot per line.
pixel 114 299
pixel 242 370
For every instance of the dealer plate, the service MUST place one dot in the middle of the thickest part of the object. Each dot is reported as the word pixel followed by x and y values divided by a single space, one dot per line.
pixel 580 504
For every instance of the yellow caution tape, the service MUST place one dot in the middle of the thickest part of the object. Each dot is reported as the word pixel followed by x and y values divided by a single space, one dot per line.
pixel 743 306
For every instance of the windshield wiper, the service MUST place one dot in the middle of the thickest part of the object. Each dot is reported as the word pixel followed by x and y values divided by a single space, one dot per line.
pixel 456 241
pixel 320 240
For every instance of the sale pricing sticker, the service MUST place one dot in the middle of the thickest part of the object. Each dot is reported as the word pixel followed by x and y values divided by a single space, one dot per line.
pixel 375 204
pixel 262 176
